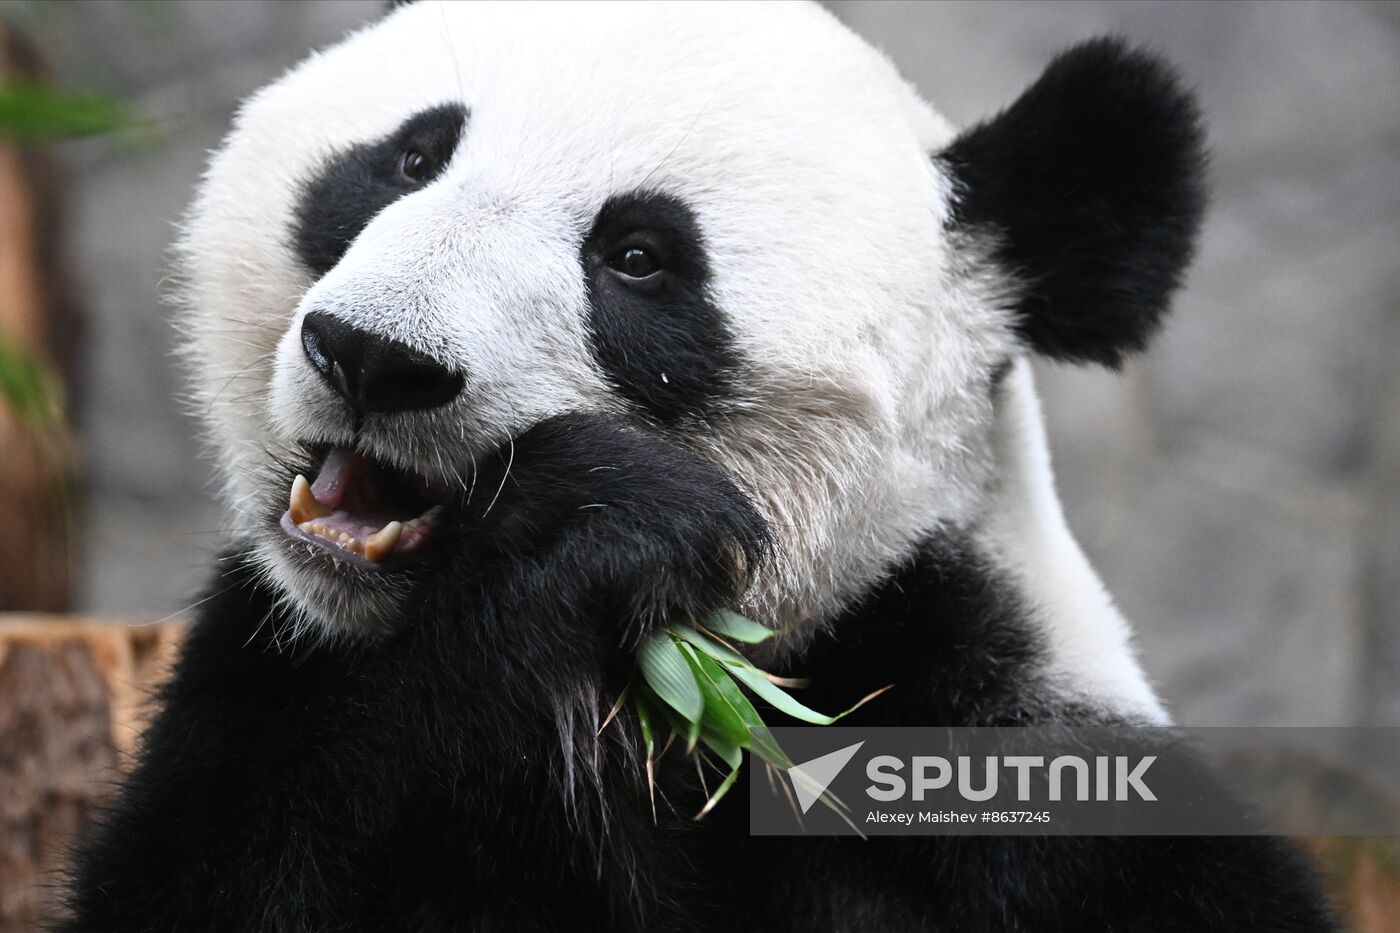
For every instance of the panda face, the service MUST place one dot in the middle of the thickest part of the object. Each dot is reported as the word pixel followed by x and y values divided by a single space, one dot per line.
pixel 734 224
pixel 723 223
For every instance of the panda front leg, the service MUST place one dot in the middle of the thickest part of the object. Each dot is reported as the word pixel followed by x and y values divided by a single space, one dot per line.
pixel 446 775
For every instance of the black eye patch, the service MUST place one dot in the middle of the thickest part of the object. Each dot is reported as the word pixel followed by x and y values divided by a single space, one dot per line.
pixel 660 339
pixel 359 182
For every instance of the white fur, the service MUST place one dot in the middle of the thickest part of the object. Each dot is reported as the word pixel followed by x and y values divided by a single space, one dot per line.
pixel 1091 654
pixel 867 419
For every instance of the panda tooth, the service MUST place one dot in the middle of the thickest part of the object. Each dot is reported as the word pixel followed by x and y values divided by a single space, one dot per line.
pixel 380 544
pixel 304 504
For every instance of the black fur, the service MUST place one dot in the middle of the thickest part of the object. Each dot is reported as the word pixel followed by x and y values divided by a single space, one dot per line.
pixel 1091 189
pixel 664 345
pixel 958 643
pixel 357 183
pixel 448 777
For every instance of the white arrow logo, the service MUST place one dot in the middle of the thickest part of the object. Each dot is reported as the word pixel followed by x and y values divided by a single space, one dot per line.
pixel 811 778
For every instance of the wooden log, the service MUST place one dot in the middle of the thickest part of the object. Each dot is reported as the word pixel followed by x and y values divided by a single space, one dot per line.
pixel 73 698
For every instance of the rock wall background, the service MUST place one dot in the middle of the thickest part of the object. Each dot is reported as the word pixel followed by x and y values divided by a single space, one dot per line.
pixel 1239 487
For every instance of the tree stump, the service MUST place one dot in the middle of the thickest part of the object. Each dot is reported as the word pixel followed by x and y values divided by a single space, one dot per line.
pixel 73 698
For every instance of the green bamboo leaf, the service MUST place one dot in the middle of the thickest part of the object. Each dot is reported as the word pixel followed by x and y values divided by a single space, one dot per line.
pixel 753 678
pixel 689 731
pixel 641 705
pixel 720 716
pixel 757 681
pixel 616 707
pixel 35 111
pixel 778 697
pixel 728 624
pixel 644 721
pixel 709 646
pixel 732 754
pixel 719 792
pixel 668 674
pixel 727 692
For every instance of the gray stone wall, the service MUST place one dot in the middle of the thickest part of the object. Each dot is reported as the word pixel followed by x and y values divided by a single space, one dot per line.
pixel 1239 487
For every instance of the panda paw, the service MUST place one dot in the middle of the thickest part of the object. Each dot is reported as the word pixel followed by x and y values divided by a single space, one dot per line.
pixel 589 511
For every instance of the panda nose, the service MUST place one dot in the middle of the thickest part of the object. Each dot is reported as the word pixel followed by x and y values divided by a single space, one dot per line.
pixel 375 373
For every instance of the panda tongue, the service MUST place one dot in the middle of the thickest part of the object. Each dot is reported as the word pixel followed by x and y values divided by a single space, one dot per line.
pixel 342 467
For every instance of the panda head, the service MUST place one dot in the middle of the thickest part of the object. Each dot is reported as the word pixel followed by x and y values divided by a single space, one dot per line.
pixel 732 224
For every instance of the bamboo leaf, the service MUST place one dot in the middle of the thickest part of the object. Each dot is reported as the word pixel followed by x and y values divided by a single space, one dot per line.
pixel 732 754
pixel 668 674
pixel 755 679
pixel 756 734
pixel 690 731
pixel 616 707
pixel 649 742
pixel 719 793
pixel 644 722
pixel 728 624
pixel 711 647
pixel 693 677
pixel 778 697
pixel 720 715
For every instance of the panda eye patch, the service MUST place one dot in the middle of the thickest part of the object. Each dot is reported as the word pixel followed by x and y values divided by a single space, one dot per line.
pixel 358 182
pixel 654 328
pixel 415 167
pixel 634 261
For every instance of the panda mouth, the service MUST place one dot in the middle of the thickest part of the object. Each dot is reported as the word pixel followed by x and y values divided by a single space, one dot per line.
pixel 362 511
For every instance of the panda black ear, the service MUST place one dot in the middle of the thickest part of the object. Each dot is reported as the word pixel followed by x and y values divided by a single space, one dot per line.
pixel 1091 189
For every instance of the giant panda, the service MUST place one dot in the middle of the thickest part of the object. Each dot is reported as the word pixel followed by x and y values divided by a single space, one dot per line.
pixel 521 330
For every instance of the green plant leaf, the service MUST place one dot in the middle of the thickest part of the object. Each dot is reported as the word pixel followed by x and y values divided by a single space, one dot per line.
pixel 690 731
pixel 36 111
pixel 728 624
pixel 778 697
pixel 709 646
pixel 27 386
pixel 693 678
pixel 727 692
pixel 669 676
pixel 616 707
pixel 641 705
pixel 720 791
pixel 719 716
pixel 644 722
pixel 754 679
pixel 732 754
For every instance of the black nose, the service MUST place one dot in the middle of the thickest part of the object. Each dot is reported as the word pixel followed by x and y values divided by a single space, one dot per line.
pixel 374 373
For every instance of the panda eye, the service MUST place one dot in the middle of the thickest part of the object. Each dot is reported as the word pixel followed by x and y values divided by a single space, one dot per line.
pixel 634 262
pixel 414 166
